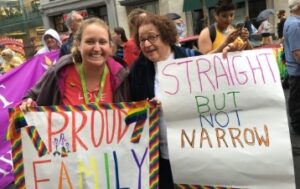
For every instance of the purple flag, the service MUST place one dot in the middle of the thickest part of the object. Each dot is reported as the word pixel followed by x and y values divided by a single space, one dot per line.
pixel 13 86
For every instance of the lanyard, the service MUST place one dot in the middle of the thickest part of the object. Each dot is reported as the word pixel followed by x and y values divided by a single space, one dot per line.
pixel 84 87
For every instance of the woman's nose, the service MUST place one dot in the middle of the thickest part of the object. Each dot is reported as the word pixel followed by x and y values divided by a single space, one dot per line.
pixel 147 43
pixel 97 46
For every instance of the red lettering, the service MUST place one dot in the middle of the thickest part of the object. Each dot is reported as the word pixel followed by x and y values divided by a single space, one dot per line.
pixel 95 143
pixel 110 139
pixel 36 180
pixel 76 130
pixel 64 175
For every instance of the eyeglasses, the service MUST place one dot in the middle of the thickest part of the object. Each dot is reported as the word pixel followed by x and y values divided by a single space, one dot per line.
pixel 150 38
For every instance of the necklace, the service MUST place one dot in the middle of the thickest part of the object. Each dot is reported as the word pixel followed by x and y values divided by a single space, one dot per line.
pixel 84 85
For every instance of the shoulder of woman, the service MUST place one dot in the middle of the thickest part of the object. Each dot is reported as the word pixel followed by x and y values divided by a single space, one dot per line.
pixel 115 65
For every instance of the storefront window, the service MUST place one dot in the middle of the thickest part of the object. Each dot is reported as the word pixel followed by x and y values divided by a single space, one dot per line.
pixel 59 24
pixel 19 20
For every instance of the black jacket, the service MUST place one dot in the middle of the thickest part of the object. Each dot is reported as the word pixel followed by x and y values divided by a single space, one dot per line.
pixel 142 74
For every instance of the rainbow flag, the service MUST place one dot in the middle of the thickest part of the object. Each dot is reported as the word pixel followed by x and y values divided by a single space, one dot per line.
pixel 138 115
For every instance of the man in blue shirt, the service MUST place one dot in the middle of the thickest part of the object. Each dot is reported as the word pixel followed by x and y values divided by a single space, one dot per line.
pixel 291 34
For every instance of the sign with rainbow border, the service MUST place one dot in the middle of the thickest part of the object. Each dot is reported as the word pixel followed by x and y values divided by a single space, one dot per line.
pixel 232 128
pixel 86 146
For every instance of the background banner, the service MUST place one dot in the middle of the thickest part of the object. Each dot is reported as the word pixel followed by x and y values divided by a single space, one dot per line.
pixel 232 127
pixel 13 86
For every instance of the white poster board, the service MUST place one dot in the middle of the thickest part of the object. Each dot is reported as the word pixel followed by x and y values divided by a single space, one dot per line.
pixel 86 146
pixel 227 122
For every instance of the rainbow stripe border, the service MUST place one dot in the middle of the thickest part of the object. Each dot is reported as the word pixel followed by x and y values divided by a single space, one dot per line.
pixel 154 114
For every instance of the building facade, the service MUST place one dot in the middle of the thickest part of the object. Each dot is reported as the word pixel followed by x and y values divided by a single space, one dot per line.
pixel 28 19
pixel 21 20
pixel 115 11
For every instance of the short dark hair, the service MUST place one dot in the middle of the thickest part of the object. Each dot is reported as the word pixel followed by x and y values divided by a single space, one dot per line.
pixel 121 31
pixel 165 26
pixel 224 5
pixel 281 12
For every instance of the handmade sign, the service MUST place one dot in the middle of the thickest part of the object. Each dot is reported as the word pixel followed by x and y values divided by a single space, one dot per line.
pixel 232 129
pixel 86 146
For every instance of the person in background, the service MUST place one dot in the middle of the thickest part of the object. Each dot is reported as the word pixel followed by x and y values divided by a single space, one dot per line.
pixel 10 60
pixel 292 56
pixel 73 22
pixel 201 22
pixel 2 47
pixel 87 75
pixel 51 42
pixel 119 38
pixel 266 30
pixel 250 27
pixel 180 26
pixel 131 51
pixel 156 36
pixel 215 38
pixel 281 17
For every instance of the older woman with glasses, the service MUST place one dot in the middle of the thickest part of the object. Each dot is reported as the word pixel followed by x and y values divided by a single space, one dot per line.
pixel 156 36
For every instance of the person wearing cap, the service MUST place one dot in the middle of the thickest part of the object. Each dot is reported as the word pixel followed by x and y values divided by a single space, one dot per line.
pixel 291 36
pixel 178 21
pixel 281 17
pixel 51 42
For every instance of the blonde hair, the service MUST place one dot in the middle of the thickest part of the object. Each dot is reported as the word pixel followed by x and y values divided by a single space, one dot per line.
pixel 78 36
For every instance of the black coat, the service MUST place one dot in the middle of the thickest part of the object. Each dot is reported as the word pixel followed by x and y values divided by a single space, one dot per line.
pixel 66 47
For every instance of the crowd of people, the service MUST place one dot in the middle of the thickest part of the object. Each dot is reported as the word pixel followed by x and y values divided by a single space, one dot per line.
pixel 97 66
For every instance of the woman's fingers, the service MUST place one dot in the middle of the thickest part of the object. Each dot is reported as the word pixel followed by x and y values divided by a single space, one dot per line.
pixel 155 101
pixel 26 104
pixel 244 34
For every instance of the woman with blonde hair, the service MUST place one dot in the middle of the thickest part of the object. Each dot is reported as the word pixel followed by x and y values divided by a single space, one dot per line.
pixel 89 74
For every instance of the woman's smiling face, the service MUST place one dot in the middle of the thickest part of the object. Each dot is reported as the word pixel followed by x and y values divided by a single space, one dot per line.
pixel 95 47
pixel 151 44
